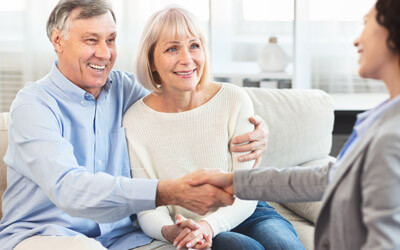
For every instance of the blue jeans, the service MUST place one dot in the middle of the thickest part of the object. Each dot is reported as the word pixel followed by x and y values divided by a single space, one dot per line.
pixel 264 229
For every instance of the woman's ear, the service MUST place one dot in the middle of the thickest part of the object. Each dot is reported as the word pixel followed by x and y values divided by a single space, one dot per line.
pixel 153 69
pixel 57 40
pixel 156 77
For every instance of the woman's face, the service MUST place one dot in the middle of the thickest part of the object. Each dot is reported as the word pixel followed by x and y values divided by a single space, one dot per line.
pixel 179 63
pixel 375 56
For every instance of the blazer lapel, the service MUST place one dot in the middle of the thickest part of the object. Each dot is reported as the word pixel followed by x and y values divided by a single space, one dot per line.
pixel 359 148
pixel 351 155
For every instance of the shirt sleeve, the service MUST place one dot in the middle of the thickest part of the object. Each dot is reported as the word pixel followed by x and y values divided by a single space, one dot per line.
pixel 132 91
pixel 226 218
pixel 48 159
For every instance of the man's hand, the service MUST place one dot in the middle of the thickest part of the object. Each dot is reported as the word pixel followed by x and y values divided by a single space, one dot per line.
pixel 256 141
pixel 199 199
pixel 214 177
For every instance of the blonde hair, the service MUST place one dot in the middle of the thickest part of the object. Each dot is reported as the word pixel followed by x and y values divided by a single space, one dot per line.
pixel 171 21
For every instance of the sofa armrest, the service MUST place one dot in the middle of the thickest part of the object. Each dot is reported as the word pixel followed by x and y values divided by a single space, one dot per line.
pixel 306 210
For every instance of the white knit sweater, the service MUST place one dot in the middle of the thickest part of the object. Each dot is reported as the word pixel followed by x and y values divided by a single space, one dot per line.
pixel 169 145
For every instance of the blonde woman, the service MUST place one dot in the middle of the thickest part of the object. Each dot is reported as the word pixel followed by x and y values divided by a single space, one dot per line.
pixel 187 123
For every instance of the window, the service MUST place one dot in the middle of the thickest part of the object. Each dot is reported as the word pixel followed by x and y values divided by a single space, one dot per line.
pixel 339 10
pixel 268 10
pixel 327 31
pixel 334 25
pixel 15 5
pixel 11 51
pixel 237 31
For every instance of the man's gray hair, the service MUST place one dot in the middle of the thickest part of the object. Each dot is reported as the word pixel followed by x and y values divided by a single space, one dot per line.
pixel 59 17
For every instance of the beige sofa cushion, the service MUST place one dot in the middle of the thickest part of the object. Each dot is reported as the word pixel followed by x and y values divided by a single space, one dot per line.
pixel 300 133
pixel 3 146
pixel 304 228
pixel 300 124
pixel 309 210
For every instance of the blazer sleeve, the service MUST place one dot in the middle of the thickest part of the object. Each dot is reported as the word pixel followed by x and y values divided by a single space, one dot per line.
pixel 380 192
pixel 294 184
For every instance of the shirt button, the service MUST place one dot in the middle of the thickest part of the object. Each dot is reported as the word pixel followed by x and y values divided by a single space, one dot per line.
pixel 88 97
pixel 99 162
pixel 99 132
pixel 82 102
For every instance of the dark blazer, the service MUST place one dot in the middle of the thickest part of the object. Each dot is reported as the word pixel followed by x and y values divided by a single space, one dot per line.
pixel 360 206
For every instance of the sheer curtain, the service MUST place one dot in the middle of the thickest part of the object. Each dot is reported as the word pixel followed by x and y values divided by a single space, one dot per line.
pixel 26 53
pixel 333 27
pixel 320 41
pixel 39 53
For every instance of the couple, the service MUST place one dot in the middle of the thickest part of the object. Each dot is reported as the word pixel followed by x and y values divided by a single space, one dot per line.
pixel 68 172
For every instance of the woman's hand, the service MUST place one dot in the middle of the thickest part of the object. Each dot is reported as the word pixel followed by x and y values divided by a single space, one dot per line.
pixel 256 141
pixel 200 238
pixel 170 232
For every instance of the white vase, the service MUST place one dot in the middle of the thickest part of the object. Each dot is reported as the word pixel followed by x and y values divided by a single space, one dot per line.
pixel 272 57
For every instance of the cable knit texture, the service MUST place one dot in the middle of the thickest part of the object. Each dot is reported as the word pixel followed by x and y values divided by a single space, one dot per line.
pixel 170 145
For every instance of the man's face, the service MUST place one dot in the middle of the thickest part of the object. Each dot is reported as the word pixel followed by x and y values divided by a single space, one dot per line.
pixel 87 55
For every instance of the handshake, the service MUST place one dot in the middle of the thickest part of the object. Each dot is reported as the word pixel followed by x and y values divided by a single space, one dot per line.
pixel 200 191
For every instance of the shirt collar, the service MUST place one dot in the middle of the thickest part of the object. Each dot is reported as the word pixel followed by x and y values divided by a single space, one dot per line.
pixel 73 91
pixel 367 118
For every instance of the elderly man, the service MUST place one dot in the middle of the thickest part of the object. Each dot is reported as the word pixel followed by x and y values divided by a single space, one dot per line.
pixel 69 184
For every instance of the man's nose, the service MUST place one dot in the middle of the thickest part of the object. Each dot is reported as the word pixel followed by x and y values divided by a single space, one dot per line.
pixel 103 51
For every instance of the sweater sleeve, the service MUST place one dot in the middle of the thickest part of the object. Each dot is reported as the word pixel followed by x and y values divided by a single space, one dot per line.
pixel 151 221
pixel 227 218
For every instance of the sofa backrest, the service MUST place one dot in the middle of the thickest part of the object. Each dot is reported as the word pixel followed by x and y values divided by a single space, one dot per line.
pixel 3 146
pixel 300 124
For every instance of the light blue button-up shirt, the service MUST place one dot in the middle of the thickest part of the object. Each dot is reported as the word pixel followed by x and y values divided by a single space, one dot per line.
pixel 68 169
pixel 363 122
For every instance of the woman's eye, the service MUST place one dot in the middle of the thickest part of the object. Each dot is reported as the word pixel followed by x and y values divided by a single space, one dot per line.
pixel 173 49
pixel 195 46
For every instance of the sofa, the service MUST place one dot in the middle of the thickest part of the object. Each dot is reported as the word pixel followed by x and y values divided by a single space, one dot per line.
pixel 300 133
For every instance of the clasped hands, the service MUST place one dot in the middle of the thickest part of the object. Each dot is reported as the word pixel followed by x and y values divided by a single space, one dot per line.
pixel 200 191
pixel 186 233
